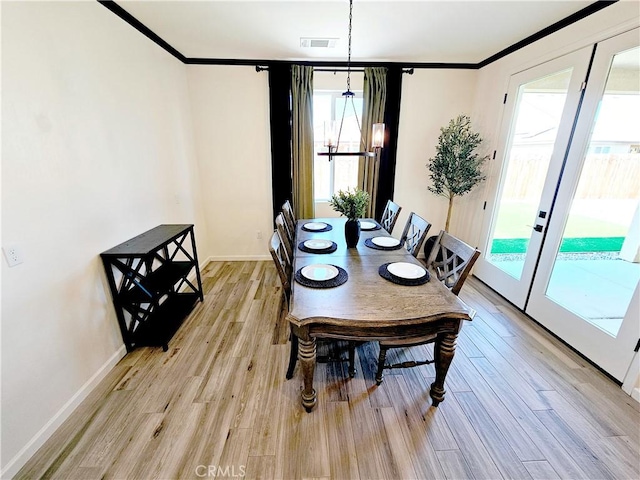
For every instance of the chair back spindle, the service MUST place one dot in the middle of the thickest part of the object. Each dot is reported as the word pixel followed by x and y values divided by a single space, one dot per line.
pixel 290 219
pixel 281 260
pixel 457 260
pixel 285 235
pixel 415 231
pixel 390 216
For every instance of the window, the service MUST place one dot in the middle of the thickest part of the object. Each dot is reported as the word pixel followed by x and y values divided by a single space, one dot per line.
pixel 340 173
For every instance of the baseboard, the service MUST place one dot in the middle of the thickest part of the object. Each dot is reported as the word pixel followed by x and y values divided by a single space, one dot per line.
pixel 204 264
pixel 240 258
pixel 21 458
pixel 635 394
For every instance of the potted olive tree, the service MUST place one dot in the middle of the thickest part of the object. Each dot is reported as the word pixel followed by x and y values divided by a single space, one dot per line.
pixel 457 167
pixel 353 206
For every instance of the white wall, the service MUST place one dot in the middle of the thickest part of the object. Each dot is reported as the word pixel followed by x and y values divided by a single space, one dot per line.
pixel 96 148
pixel 430 98
pixel 230 107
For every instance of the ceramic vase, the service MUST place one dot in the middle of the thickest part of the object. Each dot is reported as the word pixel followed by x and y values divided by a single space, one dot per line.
pixel 352 233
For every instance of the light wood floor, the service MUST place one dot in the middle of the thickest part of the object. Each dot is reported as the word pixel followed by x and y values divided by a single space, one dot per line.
pixel 519 404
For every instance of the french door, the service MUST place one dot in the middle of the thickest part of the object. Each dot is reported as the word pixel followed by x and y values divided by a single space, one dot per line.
pixel 578 271
pixel 544 101
pixel 586 287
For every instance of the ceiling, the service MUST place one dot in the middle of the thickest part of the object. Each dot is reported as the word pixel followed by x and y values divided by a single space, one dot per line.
pixel 386 31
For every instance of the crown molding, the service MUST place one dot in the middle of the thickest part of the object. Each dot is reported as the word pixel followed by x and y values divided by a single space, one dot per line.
pixel 147 32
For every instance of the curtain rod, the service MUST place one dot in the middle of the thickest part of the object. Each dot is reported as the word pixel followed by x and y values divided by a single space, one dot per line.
pixel 336 70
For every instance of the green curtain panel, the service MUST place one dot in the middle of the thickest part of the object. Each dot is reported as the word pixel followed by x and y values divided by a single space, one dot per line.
pixel 302 140
pixel 374 96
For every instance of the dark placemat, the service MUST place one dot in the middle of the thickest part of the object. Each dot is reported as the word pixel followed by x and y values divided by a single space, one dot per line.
pixel 342 277
pixel 331 249
pixel 370 244
pixel 325 229
pixel 377 227
pixel 409 282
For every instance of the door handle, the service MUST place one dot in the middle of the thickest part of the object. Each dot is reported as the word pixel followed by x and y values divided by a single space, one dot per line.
pixel 538 228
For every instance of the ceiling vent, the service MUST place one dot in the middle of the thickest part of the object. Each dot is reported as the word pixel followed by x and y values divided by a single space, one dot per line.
pixel 308 42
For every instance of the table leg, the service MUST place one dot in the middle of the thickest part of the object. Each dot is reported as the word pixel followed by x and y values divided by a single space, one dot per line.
pixel 307 356
pixel 445 348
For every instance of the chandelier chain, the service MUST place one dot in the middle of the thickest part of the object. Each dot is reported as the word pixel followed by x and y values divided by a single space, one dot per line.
pixel 349 51
pixel 349 97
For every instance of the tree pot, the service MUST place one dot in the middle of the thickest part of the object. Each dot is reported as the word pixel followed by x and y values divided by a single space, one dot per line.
pixel 352 233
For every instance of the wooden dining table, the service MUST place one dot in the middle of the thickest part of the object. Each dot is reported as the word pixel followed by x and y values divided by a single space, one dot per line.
pixel 368 307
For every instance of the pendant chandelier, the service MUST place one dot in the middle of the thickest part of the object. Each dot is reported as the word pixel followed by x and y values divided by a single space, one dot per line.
pixel 331 140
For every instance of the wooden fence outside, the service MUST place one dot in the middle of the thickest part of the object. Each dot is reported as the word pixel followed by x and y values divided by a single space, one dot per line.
pixel 603 176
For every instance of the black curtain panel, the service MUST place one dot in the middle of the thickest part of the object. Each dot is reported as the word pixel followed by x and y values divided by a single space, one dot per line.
pixel 387 172
pixel 280 120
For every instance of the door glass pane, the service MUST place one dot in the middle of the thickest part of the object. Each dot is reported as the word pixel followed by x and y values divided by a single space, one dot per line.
pixel 596 269
pixel 534 129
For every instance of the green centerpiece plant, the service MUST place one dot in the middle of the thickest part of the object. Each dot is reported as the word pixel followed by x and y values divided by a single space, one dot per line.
pixel 353 205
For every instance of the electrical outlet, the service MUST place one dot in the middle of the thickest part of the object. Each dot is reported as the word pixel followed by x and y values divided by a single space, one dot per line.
pixel 259 235
pixel 13 255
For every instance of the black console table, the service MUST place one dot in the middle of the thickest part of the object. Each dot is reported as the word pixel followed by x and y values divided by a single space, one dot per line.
pixel 151 291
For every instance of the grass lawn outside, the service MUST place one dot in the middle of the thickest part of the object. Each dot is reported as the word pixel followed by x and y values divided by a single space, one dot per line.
pixel 594 226
pixel 569 245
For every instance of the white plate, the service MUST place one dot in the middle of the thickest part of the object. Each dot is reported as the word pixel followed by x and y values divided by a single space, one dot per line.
pixel 315 226
pixel 406 270
pixel 319 272
pixel 367 225
pixel 385 241
pixel 318 244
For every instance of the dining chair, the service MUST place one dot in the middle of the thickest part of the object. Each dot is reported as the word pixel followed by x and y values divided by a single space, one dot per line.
pixel 283 265
pixel 289 218
pixel 415 231
pixel 285 235
pixel 452 270
pixel 390 215
pixel 281 260
pixel 455 261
